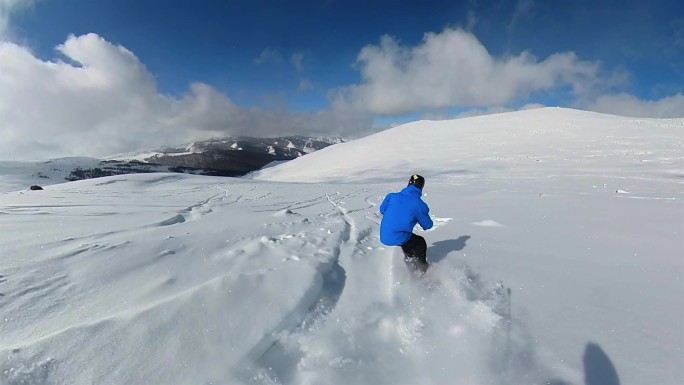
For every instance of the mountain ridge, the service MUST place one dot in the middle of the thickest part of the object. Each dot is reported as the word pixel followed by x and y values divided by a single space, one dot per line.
pixel 230 156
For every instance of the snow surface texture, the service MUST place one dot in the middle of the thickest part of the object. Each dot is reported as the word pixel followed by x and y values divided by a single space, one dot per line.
pixel 557 259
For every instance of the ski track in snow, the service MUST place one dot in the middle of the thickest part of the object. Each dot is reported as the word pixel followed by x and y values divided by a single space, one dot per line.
pixel 325 333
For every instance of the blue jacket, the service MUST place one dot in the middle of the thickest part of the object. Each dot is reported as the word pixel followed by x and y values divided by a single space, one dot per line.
pixel 400 213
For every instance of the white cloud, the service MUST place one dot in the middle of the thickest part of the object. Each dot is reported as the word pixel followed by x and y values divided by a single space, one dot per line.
pixel 297 60
pixel 102 100
pixel 454 69
pixel 269 55
pixel 276 55
pixel 523 9
pixel 305 85
pixel 496 110
pixel 471 21
pixel 6 9
pixel 629 105
pixel 99 99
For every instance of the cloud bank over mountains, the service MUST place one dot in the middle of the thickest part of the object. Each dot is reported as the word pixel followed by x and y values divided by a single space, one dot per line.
pixel 97 98
pixel 630 105
pixel 453 69
pixel 100 99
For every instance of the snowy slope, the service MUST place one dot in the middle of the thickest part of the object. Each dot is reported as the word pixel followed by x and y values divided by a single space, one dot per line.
pixel 20 175
pixel 589 224
pixel 551 142
pixel 181 279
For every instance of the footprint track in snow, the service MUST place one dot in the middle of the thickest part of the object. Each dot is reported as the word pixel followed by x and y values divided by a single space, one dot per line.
pixel 2 280
pixel 279 359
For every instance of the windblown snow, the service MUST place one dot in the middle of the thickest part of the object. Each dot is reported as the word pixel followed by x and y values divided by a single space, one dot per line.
pixel 556 259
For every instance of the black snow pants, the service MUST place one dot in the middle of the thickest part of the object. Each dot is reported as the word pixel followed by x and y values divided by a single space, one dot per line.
pixel 415 254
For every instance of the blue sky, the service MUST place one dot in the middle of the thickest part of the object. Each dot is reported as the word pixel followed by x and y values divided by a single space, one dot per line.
pixel 217 42
pixel 300 58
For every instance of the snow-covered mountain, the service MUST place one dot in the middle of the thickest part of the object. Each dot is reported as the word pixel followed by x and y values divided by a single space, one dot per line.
pixel 220 157
pixel 556 259
pixel 235 156
pixel 20 175
pixel 548 142
pixel 281 148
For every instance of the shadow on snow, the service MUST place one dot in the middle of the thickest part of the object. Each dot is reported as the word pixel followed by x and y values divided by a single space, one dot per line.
pixel 439 250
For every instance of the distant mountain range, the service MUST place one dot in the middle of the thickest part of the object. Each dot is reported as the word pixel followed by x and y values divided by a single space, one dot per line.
pixel 234 156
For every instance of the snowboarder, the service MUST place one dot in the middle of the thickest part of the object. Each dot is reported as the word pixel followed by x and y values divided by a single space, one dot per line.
pixel 400 213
